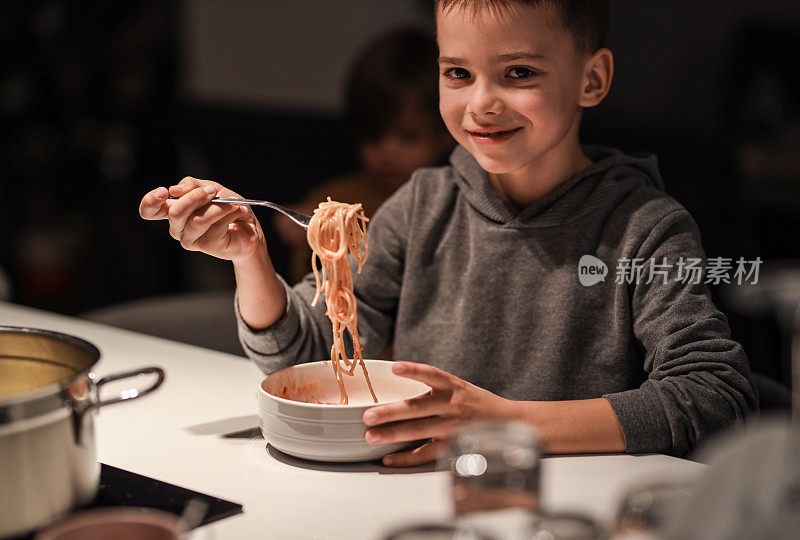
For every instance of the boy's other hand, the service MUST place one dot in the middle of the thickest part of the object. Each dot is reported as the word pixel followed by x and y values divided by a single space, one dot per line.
pixel 226 231
pixel 451 403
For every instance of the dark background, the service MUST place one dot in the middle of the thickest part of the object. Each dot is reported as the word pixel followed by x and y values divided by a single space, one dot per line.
pixel 102 101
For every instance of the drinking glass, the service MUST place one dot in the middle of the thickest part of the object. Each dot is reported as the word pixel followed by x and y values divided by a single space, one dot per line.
pixel 495 469
pixel 436 531
pixel 565 526
pixel 646 508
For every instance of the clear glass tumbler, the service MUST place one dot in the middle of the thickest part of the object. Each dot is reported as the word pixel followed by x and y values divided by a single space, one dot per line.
pixel 565 526
pixel 436 531
pixel 494 468
pixel 645 509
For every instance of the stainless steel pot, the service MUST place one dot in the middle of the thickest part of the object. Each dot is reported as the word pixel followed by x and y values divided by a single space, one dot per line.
pixel 48 399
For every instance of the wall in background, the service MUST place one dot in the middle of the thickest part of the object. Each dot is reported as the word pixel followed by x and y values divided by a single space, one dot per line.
pixel 673 61
pixel 282 55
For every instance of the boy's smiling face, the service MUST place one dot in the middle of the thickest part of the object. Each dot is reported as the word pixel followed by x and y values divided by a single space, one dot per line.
pixel 510 86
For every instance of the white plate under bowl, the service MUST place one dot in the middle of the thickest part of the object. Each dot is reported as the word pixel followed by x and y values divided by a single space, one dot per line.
pixel 294 424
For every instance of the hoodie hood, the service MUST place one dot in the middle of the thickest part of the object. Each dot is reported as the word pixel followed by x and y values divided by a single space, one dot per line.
pixel 612 175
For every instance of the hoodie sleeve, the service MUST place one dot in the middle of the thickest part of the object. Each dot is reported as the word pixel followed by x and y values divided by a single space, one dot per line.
pixel 304 333
pixel 698 378
pixel 298 336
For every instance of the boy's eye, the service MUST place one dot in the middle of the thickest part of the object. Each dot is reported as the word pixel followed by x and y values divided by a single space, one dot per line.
pixel 521 73
pixel 456 73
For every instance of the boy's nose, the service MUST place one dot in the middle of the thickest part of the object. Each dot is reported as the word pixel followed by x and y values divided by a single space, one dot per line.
pixel 485 101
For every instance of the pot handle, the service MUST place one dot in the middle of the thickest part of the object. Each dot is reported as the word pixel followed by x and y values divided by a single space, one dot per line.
pixel 131 393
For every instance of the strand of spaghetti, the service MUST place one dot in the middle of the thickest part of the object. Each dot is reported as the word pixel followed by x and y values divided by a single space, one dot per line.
pixel 335 230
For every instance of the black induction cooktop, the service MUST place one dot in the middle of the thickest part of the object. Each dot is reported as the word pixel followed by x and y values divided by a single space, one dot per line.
pixel 119 487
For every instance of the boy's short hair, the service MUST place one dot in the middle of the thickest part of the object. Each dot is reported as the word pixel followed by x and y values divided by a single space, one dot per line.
pixel 397 69
pixel 586 20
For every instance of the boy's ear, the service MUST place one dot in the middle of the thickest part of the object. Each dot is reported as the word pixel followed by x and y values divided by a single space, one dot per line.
pixel 597 75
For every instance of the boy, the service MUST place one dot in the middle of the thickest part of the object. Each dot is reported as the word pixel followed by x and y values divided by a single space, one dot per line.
pixel 472 270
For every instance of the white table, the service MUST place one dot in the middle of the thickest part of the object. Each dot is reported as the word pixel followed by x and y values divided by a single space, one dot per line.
pixel 199 431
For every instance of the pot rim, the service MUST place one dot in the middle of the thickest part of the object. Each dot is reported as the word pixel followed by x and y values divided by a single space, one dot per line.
pixel 44 399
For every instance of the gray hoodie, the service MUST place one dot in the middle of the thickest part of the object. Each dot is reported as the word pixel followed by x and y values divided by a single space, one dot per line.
pixel 458 278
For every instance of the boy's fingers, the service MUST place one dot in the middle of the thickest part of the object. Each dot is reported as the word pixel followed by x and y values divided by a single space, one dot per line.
pixel 183 187
pixel 426 453
pixel 418 407
pixel 201 221
pixel 413 430
pixel 153 205
pixel 219 229
pixel 430 375
pixel 189 183
pixel 181 210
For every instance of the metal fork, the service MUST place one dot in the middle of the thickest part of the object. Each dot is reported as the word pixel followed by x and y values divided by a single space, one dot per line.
pixel 297 217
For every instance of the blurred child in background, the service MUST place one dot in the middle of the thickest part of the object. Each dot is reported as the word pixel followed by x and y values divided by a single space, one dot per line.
pixel 392 108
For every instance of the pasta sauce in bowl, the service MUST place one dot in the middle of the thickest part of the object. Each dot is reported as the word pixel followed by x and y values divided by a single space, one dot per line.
pixel 299 413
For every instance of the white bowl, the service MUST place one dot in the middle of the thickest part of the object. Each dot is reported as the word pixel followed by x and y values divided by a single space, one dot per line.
pixel 294 424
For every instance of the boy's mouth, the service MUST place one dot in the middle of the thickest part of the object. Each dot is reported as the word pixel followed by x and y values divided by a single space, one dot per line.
pixel 492 136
